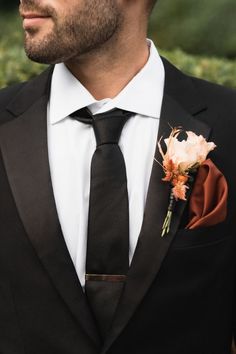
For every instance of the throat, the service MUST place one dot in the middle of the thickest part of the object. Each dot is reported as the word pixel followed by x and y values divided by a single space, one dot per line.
pixel 105 76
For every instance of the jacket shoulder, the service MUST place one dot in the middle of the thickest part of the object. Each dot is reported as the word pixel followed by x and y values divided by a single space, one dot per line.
pixel 192 92
pixel 15 99
pixel 8 93
pixel 215 94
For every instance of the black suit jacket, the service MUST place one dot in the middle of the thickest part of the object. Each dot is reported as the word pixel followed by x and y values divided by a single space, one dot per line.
pixel 179 296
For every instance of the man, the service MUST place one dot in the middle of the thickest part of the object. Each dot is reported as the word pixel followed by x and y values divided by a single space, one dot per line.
pixel 59 221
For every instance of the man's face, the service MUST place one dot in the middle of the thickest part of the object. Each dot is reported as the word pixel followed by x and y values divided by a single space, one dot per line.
pixel 59 30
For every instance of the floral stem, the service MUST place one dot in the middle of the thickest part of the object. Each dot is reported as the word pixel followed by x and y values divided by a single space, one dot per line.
pixel 167 221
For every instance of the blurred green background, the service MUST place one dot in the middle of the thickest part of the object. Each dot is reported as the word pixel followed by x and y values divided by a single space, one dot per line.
pixel 199 37
pixel 196 26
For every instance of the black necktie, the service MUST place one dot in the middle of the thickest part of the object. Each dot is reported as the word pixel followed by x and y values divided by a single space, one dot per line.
pixel 107 260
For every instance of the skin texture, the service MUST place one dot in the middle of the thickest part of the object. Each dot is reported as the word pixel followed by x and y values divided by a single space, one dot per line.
pixel 102 42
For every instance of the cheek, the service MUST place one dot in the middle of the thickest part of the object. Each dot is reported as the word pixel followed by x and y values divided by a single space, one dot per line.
pixel 67 6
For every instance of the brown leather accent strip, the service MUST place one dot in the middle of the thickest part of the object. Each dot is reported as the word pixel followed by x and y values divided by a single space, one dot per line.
pixel 105 277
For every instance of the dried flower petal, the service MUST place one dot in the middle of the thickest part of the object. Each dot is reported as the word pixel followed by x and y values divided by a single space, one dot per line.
pixel 179 191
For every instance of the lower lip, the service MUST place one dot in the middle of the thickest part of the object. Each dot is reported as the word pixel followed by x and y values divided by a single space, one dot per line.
pixel 34 21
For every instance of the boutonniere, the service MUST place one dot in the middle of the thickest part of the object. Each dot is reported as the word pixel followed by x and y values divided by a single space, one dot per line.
pixel 180 161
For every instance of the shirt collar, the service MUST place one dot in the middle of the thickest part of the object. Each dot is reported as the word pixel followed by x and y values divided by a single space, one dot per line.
pixel 143 94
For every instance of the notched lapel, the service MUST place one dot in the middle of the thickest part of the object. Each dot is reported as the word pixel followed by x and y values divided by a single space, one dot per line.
pixel 152 248
pixel 23 143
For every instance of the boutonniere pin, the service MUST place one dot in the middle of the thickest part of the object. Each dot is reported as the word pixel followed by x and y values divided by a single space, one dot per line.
pixel 180 161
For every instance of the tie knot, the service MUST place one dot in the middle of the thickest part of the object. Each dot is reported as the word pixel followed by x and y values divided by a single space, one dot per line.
pixel 107 126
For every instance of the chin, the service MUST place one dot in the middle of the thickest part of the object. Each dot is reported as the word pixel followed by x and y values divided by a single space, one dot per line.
pixel 43 55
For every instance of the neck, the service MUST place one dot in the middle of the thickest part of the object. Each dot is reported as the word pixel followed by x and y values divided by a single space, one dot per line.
pixel 105 72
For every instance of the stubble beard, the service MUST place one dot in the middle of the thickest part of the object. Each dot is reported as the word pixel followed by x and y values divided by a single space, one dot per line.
pixel 75 34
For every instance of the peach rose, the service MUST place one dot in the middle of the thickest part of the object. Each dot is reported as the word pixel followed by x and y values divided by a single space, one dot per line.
pixel 187 153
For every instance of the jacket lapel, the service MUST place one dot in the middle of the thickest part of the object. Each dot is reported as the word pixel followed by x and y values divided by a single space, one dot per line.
pixel 25 155
pixel 152 248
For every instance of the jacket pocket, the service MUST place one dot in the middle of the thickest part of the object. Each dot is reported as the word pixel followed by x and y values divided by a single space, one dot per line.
pixel 201 236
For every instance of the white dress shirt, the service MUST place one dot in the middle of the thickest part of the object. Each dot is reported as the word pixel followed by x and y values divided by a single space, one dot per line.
pixel 71 145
